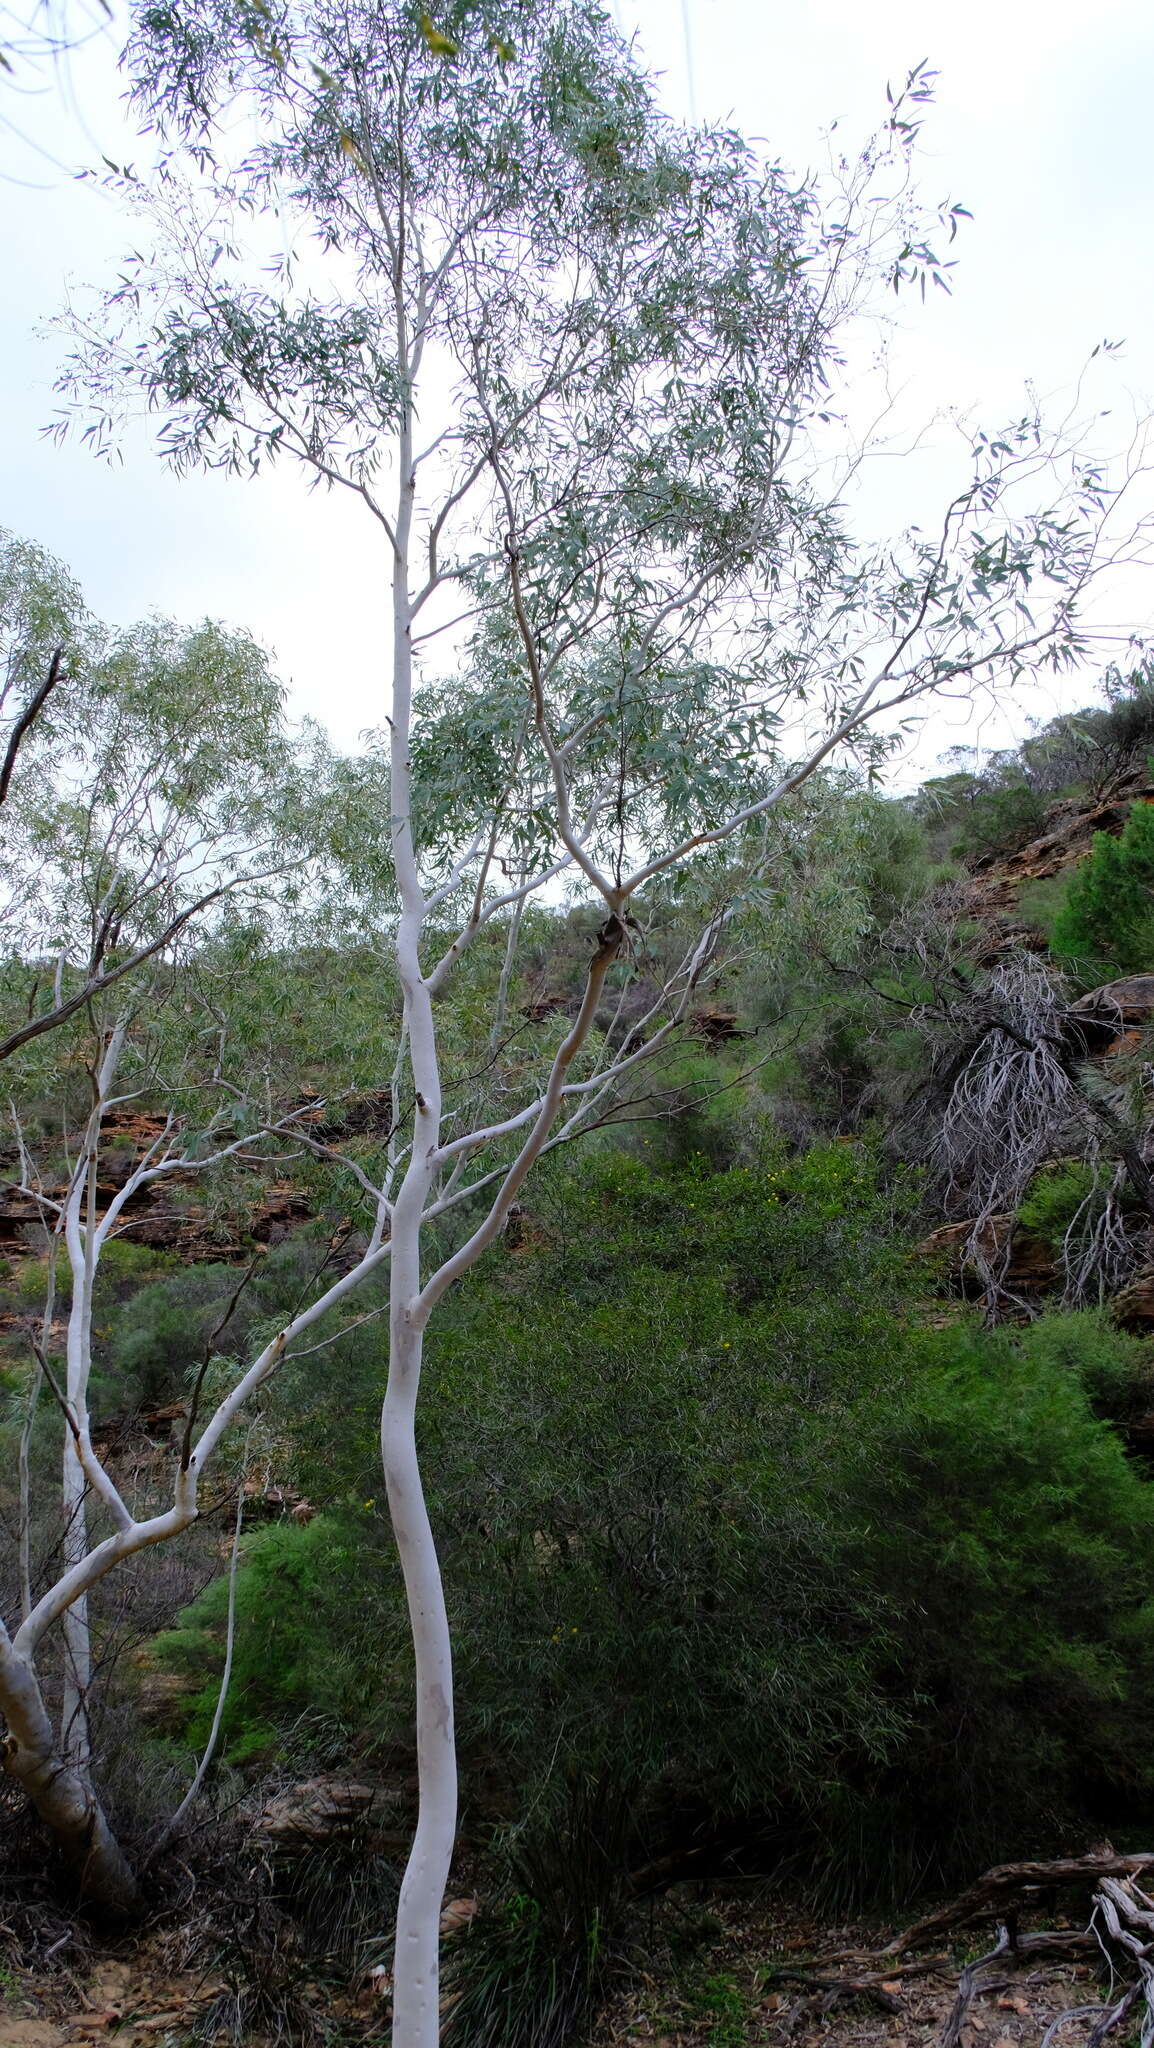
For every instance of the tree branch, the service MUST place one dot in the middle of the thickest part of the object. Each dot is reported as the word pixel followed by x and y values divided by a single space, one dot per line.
pixel 27 720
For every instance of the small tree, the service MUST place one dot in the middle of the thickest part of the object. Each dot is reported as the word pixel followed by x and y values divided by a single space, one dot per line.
pixel 148 784
pixel 1107 920
pixel 576 364
pixel 160 802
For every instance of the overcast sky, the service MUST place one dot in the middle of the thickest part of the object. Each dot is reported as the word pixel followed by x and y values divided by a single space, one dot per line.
pixel 1041 127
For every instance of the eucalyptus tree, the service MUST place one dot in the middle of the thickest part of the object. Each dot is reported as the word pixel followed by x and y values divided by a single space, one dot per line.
pixel 164 833
pixel 579 367
pixel 154 783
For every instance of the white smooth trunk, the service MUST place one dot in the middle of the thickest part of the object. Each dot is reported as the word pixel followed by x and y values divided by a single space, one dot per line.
pixel 74 1735
pixel 416 1996
pixel 416 1988
pixel 24 1470
pixel 75 1742
pixel 25 1453
pixel 61 1794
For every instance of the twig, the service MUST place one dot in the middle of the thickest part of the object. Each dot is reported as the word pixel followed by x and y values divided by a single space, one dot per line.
pixel 172 1825
pixel 212 1338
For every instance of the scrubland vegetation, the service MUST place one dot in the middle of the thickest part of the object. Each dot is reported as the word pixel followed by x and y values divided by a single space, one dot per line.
pixel 772 1540
pixel 751 1168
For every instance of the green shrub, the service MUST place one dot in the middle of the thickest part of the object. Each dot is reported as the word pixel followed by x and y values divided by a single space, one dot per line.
pixel 1054 1198
pixel 150 1342
pixel 1107 924
pixel 999 821
pixel 724 1531
pixel 306 1659
pixel 1041 903
pixel 1114 1370
pixel 155 1316
pixel 1006 1532
pixel 978 817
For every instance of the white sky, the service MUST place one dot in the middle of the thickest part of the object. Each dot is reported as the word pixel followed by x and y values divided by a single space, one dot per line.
pixel 1042 127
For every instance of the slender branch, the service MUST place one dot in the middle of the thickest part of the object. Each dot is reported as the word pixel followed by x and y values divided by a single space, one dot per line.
pixel 172 1825
pixel 611 939
pixel 27 720
pixel 206 1359
pixel 94 1471
pixel 64 1008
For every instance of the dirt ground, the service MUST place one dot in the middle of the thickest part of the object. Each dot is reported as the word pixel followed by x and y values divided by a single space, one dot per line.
pixel 133 1998
pixel 742 1986
pixel 715 1970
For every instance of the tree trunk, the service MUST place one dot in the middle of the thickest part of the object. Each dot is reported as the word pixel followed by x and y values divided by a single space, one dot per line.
pixel 74 1737
pixel 75 1743
pixel 416 1998
pixel 62 1794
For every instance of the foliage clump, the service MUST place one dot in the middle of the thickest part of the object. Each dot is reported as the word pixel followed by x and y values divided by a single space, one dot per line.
pixel 1055 1197
pixel 726 1530
pixel 1003 1532
pixel 1107 922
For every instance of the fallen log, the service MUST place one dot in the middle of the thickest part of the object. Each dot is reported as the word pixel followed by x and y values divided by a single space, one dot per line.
pixel 1008 1880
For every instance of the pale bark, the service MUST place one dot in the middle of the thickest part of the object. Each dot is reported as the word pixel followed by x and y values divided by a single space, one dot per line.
pixel 25 1452
pixel 82 1237
pixel 60 1792
pixel 24 1486
pixel 74 1735
pixel 416 2002
pixel 56 1774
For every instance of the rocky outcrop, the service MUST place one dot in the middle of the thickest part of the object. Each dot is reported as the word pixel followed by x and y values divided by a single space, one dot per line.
pixel 1127 1004
pixel 158 1217
pixel 367 1114
pixel 1029 1272
pixel 1133 1308
pixel 716 1027
pixel 329 1811
pixel 1070 828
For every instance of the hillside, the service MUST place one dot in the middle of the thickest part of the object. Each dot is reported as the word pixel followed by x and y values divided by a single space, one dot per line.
pixel 777 1406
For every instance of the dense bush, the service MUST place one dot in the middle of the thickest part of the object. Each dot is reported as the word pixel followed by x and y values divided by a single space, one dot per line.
pixel 616 1438
pixel 1107 922
pixel 721 1524
pixel 1125 734
pixel 999 820
pixel 306 1660
pixel 1004 1532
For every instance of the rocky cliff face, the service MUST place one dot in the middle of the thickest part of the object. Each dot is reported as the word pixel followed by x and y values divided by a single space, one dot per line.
pixel 1071 823
pixel 1100 1027
pixel 172 1215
